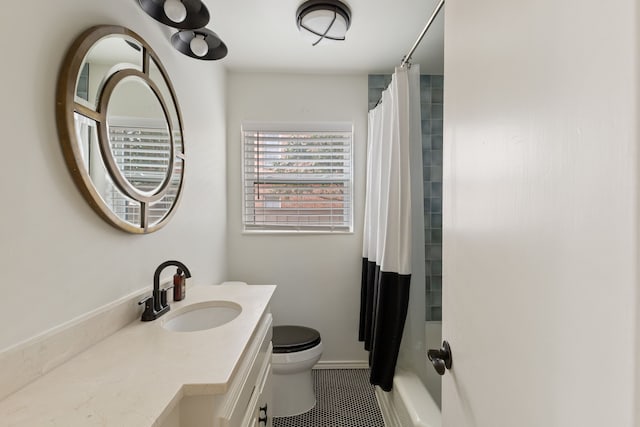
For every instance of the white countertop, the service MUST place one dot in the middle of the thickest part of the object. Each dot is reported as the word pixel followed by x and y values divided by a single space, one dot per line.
pixel 136 376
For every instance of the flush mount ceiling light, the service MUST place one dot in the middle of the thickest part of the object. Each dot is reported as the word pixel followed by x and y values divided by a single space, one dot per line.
pixel 323 20
pixel 181 14
pixel 200 44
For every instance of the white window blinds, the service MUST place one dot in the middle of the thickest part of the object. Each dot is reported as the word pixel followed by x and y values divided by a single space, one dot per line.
pixel 142 154
pixel 298 180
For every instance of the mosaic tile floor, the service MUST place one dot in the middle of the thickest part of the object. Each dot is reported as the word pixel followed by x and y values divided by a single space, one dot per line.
pixel 344 399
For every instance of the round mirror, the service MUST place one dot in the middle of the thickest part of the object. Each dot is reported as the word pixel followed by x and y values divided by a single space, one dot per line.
pixel 120 129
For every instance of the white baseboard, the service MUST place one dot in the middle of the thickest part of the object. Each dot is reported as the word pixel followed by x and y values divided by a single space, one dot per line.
pixel 342 364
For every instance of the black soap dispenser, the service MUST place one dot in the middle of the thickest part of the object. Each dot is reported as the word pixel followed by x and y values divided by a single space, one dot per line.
pixel 179 285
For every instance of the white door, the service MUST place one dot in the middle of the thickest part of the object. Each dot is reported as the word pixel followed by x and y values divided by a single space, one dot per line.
pixel 540 284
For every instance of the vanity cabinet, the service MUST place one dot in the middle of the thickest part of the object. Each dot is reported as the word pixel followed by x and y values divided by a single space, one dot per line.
pixel 247 402
pixel 216 377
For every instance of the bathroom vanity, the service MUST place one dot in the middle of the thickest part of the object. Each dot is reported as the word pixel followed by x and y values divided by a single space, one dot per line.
pixel 148 375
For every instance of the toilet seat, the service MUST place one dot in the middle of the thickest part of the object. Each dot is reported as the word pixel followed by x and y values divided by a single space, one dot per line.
pixel 292 339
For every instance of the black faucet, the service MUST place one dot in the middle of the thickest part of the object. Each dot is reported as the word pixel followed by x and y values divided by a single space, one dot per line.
pixel 156 304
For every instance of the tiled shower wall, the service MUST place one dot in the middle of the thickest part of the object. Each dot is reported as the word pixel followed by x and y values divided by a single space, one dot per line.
pixel 431 109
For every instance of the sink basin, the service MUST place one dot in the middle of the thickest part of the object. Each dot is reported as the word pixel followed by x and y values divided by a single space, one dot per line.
pixel 202 316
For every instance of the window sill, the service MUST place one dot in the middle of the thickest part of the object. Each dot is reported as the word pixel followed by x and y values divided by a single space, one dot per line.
pixel 294 232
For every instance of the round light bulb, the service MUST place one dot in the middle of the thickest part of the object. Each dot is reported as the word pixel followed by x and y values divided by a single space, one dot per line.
pixel 199 45
pixel 175 10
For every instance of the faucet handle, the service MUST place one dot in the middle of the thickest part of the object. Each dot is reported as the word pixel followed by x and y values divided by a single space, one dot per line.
pixel 163 298
pixel 148 313
pixel 146 300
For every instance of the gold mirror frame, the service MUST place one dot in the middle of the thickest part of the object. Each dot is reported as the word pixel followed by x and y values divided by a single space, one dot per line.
pixel 67 107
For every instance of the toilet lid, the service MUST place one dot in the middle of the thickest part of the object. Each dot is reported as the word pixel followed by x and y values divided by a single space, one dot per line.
pixel 288 339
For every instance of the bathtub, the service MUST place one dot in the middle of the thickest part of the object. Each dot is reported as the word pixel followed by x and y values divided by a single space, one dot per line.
pixel 410 403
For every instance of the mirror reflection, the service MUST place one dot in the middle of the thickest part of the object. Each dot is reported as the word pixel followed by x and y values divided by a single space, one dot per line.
pixel 139 139
pixel 106 56
pixel 121 129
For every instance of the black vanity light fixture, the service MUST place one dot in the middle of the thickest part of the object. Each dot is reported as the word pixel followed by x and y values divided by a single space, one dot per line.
pixel 323 20
pixel 200 44
pixel 181 14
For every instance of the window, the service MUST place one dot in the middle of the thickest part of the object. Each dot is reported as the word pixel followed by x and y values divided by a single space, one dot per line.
pixel 297 177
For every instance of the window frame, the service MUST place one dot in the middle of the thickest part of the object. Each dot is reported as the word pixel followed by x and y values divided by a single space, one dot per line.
pixel 321 126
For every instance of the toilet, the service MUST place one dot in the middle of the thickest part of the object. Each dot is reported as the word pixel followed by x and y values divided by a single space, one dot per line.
pixel 296 349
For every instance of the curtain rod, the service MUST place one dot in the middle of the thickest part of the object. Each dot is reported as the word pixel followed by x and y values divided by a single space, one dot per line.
pixel 407 57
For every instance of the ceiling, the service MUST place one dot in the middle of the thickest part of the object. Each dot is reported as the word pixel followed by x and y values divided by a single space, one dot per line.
pixel 262 36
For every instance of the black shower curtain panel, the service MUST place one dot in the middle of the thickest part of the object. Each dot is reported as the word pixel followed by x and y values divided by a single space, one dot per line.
pixel 384 302
pixel 386 261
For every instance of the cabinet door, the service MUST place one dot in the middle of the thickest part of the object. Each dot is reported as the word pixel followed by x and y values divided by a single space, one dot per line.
pixel 263 411
pixel 258 410
pixel 240 404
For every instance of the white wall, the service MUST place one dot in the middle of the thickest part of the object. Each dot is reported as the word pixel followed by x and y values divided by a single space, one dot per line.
pixel 637 206
pixel 540 213
pixel 58 259
pixel 318 276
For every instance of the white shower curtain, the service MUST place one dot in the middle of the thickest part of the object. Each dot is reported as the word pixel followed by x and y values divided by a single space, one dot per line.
pixel 388 226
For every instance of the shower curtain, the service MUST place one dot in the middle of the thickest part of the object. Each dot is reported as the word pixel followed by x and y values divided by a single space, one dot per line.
pixel 387 258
